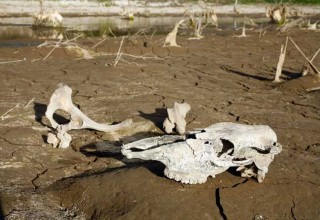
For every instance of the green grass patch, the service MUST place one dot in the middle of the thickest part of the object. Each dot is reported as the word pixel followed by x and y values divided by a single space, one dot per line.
pixel 256 1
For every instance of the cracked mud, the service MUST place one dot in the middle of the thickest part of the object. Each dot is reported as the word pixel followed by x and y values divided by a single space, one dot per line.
pixel 223 79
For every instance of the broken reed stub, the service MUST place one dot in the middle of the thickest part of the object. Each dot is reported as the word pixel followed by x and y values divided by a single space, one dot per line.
pixel 61 100
pixel 176 118
pixel 197 155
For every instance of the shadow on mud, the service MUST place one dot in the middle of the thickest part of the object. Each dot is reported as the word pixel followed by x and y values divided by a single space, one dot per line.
pixel 157 117
pixel 237 72
pixel 1 210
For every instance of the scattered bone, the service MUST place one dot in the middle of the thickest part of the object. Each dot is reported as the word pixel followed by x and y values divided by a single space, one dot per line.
pixel 280 62
pixel 198 28
pixel 312 26
pixel 51 19
pixel 81 52
pixel 243 34
pixel 197 155
pixel 176 118
pixel 235 10
pixel 61 99
pixel 171 39
pixel 60 138
pixel 277 13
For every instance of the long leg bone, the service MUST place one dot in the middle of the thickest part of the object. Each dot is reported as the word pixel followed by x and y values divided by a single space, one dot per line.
pixel 197 155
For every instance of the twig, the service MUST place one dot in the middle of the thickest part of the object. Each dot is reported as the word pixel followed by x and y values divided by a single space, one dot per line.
pixel 3 117
pixel 119 53
pixel 260 34
pixel 142 57
pixel 100 42
pixel 310 62
pixel 57 45
pixel 153 34
pixel 27 105
pixel 111 32
pixel 13 61
pixel 315 55
pixel 73 39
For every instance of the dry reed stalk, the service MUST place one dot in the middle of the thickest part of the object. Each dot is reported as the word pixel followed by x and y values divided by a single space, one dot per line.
pixel 309 61
pixel 56 46
pixel 4 116
pixel 280 62
pixel 119 53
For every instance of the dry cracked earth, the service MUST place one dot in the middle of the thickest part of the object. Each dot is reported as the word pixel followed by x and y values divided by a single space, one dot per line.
pixel 222 77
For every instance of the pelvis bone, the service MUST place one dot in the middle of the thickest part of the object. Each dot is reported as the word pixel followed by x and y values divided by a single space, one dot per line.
pixel 197 155
pixel 61 99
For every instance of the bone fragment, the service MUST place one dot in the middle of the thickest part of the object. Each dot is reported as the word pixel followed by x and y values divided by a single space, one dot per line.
pixel 171 39
pixel 210 151
pixel 176 118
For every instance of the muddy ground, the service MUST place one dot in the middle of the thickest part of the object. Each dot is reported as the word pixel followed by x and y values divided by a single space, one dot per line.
pixel 222 77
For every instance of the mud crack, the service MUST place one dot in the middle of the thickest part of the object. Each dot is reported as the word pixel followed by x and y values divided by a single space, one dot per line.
pixel 312 145
pixel 292 208
pixel 218 202
pixel 218 198
pixel 35 187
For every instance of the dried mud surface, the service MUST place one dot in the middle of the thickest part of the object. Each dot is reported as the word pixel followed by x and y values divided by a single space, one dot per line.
pixel 222 77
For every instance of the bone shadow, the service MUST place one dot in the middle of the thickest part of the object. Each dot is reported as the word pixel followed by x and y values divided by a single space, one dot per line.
pixel 40 111
pixel 112 149
pixel 154 166
pixel 156 118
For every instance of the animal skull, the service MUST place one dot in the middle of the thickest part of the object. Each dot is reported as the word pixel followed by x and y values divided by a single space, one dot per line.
pixel 197 155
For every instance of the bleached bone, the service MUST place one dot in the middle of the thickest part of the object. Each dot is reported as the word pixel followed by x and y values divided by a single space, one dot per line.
pixel 60 138
pixel 53 19
pixel 171 39
pixel 235 10
pixel 176 118
pixel 277 14
pixel 243 34
pixel 61 99
pixel 312 26
pixel 197 155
